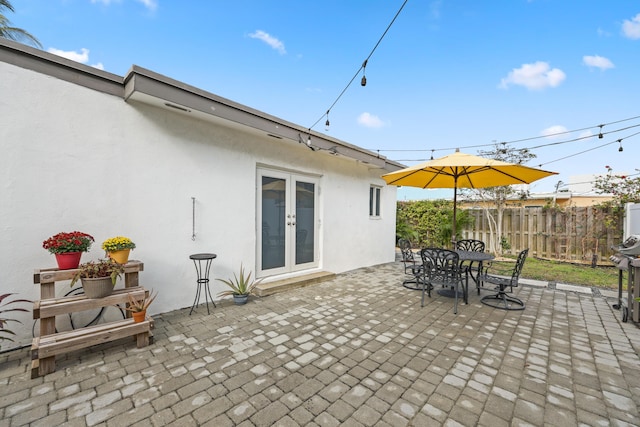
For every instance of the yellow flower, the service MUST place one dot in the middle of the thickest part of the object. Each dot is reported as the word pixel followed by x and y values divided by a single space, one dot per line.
pixel 118 243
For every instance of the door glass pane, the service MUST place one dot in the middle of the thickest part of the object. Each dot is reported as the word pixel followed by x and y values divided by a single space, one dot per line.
pixel 305 211
pixel 273 222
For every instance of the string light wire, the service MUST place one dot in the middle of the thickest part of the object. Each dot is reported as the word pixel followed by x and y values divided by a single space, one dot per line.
pixel 364 64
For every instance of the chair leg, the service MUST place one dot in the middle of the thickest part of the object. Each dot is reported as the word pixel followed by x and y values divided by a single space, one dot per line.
pixel 426 287
pixel 503 301
pixel 455 303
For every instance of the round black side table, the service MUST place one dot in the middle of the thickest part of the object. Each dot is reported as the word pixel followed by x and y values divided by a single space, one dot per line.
pixel 203 266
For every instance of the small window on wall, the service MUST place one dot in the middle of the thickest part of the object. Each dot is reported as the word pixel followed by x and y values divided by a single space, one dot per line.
pixel 374 202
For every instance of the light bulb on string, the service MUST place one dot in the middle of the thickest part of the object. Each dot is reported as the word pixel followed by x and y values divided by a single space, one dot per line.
pixel 600 136
pixel 620 142
pixel 363 82
pixel 326 124
pixel 432 154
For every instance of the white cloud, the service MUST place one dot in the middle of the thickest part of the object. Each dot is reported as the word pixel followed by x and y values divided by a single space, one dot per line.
pixel 81 57
pixel 631 28
pixel 597 62
pixel 585 134
pixel 538 75
pixel 370 121
pixel 270 40
pixel 552 131
pixel 149 4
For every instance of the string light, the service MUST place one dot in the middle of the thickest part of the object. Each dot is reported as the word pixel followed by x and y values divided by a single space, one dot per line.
pixel 326 124
pixel 600 136
pixel 620 142
pixel 363 81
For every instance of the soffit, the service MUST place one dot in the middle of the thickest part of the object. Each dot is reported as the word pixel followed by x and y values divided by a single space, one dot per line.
pixel 151 88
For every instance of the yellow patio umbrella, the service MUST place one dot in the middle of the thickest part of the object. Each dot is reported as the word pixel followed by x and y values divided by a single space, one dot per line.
pixel 460 170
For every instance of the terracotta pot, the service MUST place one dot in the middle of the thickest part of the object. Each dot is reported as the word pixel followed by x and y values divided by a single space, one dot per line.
pixel 121 257
pixel 68 260
pixel 139 316
pixel 97 288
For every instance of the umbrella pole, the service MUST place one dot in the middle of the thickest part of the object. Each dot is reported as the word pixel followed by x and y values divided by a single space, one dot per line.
pixel 455 196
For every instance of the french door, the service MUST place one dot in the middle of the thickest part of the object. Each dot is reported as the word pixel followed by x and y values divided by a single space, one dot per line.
pixel 287 222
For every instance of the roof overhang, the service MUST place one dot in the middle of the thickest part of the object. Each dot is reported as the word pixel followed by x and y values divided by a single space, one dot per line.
pixel 151 88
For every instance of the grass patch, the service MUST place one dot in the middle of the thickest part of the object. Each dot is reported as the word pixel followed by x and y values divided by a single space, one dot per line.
pixel 574 274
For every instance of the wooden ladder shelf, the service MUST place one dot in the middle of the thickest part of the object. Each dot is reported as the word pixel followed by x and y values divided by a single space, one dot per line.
pixel 50 343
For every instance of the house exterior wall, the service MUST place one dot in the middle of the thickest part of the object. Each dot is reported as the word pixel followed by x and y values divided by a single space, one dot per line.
pixel 79 159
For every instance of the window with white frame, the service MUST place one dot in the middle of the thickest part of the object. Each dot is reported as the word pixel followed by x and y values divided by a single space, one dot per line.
pixel 374 202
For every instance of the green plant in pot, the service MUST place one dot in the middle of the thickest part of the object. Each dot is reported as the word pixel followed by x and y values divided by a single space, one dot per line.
pixel 98 277
pixel 139 307
pixel 240 286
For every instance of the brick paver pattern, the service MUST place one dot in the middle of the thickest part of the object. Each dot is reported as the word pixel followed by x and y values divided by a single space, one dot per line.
pixel 356 350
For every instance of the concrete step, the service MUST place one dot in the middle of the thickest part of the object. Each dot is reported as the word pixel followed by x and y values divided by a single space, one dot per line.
pixel 270 288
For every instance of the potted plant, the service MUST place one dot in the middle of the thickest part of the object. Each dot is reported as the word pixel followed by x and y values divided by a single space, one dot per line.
pixel 138 308
pixel 241 287
pixel 118 248
pixel 98 277
pixel 68 248
pixel 6 333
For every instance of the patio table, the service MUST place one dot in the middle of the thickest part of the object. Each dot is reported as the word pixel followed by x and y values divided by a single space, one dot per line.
pixel 472 257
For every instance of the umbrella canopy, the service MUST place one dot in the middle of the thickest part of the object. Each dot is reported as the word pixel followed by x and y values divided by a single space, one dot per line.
pixel 460 170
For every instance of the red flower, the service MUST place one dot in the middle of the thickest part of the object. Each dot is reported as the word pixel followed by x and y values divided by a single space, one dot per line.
pixel 75 241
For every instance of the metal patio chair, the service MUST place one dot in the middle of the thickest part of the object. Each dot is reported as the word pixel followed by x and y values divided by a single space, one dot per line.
pixel 412 266
pixel 441 267
pixel 501 300
pixel 472 245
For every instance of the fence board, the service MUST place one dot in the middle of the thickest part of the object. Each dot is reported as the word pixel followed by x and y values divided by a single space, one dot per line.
pixel 574 234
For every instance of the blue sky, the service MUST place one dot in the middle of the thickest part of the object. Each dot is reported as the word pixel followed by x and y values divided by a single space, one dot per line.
pixel 447 74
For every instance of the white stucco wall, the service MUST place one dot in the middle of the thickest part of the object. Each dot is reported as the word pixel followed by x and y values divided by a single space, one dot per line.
pixel 78 159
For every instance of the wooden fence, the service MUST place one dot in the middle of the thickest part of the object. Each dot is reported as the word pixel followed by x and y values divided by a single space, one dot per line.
pixel 575 234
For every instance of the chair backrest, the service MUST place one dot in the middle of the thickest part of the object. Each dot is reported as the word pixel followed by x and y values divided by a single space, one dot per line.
pixel 405 249
pixel 441 266
pixel 522 256
pixel 470 245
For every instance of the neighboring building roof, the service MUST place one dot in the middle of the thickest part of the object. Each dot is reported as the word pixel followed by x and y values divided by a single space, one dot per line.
pixel 562 198
pixel 146 86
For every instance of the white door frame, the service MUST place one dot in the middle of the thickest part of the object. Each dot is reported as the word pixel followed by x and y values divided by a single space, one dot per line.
pixel 292 247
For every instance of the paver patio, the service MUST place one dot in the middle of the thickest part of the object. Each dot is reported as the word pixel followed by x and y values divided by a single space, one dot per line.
pixel 356 350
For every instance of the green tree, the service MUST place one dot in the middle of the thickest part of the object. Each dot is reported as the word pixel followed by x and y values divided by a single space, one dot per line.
pixel 13 33
pixel 623 188
pixel 496 197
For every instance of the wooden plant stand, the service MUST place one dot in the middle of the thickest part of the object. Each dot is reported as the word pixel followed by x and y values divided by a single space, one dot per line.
pixel 50 343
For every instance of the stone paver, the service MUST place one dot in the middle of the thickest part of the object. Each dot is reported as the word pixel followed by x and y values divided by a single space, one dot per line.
pixel 356 350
